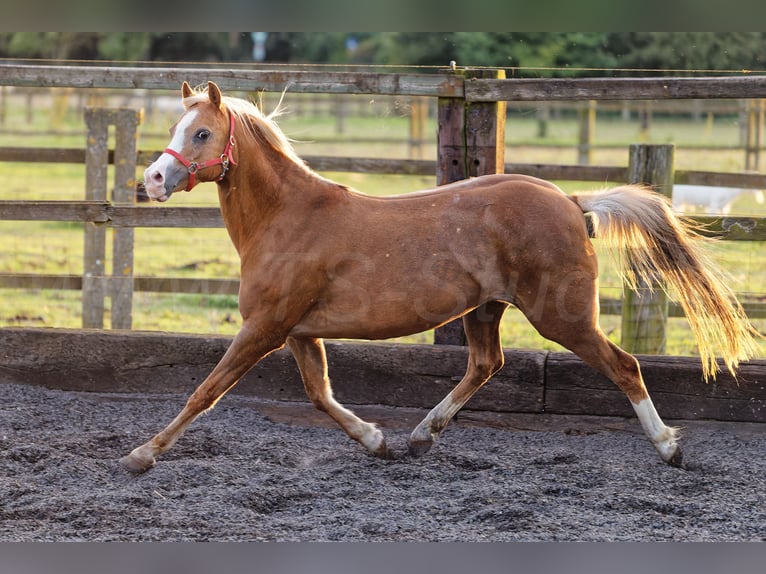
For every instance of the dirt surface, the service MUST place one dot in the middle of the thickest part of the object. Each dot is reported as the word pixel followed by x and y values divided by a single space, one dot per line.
pixel 250 470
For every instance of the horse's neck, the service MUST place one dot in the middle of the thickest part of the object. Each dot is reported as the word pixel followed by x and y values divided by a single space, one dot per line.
pixel 257 192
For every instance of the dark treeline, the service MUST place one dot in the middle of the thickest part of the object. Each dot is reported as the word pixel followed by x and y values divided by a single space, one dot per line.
pixel 601 53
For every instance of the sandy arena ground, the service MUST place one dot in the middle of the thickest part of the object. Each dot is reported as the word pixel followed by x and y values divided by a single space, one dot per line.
pixel 251 471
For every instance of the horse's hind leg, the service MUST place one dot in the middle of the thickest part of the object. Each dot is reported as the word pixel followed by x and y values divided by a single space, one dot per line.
pixel 623 369
pixel 485 358
pixel 585 338
pixel 312 362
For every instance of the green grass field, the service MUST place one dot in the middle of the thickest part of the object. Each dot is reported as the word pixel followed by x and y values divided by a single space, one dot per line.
pixel 56 247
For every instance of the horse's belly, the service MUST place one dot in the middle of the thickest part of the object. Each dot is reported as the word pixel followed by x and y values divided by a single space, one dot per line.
pixel 394 286
pixel 380 318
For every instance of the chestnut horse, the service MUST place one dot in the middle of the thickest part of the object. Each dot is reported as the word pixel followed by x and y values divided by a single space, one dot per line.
pixel 319 259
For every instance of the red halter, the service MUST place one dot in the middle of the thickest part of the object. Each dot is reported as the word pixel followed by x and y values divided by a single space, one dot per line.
pixel 225 159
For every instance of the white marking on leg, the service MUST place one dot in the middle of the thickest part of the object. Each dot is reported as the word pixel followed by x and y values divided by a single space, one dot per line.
pixel 372 438
pixel 367 434
pixel 430 427
pixel 664 438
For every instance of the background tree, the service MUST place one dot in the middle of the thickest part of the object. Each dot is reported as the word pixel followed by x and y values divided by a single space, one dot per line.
pixel 688 50
pixel 200 47
pixel 125 46
pixel 53 45
pixel 541 50
pixel 524 53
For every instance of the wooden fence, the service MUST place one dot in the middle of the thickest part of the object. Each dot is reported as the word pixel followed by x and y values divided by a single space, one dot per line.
pixel 470 142
pixel 749 116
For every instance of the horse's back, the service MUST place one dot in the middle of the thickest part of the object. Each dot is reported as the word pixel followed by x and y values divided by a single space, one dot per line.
pixel 478 185
pixel 523 208
pixel 508 212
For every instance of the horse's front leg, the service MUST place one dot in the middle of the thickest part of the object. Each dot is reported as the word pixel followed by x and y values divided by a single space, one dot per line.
pixel 249 346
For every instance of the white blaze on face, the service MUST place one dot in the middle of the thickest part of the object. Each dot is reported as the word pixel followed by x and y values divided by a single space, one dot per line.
pixel 154 175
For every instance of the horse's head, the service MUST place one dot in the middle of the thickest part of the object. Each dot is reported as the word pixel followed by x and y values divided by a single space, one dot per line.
pixel 201 148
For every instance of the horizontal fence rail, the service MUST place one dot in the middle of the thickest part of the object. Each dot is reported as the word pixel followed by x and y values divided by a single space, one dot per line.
pixel 442 85
pixel 207 286
pixel 546 89
pixel 565 172
pixel 121 216
pixel 445 84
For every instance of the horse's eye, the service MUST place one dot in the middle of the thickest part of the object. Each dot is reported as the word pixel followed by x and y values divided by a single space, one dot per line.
pixel 202 135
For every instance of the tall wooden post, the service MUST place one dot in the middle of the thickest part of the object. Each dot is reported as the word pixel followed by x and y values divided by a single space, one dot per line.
pixel 94 264
pixel 470 143
pixel 125 147
pixel 95 283
pixel 645 311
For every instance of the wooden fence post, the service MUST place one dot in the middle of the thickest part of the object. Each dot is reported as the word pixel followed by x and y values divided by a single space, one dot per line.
pixel 339 106
pixel 3 104
pixel 543 115
pixel 126 123
pixel 95 283
pixel 418 117
pixel 645 311
pixel 754 137
pixel 470 143
pixel 645 120
pixel 96 162
pixel 587 131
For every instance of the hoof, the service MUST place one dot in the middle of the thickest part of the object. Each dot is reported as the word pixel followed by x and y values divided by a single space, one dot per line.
pixel 382 452
pixel 677 459
pixel 135 464
pixel 375 443
pixel 418 448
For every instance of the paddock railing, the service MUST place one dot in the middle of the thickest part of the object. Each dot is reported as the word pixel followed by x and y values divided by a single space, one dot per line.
pixel 471 108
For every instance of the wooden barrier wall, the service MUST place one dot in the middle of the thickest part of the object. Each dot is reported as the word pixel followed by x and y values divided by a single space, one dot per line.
pixel 418 376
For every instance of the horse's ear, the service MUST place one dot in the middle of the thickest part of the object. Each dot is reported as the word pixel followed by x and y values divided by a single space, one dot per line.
pixel 214 93
pixel 186 91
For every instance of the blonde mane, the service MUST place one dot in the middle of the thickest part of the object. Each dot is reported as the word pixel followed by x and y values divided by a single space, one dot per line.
pixel 256 123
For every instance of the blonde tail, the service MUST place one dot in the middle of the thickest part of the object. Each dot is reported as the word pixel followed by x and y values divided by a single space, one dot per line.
pixel 653 244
